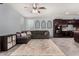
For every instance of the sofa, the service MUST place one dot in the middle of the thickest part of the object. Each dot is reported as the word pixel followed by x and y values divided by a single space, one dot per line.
pixel 40 34
pixel 22 38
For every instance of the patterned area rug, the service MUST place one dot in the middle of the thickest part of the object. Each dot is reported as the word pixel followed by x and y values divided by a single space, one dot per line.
pixel 38 47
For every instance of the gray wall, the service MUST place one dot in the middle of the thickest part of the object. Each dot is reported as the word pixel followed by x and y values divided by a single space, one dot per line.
pixel 30 24
pixel 10 20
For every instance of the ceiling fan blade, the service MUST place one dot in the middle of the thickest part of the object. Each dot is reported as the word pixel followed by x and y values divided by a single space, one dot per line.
pixel 38 11
pixel 41 8
pixel 1 3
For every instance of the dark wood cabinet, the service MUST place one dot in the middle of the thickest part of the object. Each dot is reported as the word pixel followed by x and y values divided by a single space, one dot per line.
pixel 8 41
pixel 65 27
pixel 76 36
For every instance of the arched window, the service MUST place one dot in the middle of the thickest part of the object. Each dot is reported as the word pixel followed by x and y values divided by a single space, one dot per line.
pixel 43 24
pixel 49 24
pixel 37 24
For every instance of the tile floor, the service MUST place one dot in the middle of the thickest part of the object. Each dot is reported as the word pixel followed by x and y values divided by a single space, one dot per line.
pixel 67 45
pixel 38 47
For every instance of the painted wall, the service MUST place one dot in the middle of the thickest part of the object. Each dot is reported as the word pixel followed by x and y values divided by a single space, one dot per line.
pixel 10 20
pixel 30 24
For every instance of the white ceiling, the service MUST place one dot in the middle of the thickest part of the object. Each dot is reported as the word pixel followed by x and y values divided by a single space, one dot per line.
pixel 54 9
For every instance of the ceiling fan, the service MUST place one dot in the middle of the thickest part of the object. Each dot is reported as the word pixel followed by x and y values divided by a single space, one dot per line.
pixel 1 3
pixel 35 8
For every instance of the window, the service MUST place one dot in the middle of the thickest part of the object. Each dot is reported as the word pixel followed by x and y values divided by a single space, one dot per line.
pixel 49 24
pixel 43 24
pixel 37 24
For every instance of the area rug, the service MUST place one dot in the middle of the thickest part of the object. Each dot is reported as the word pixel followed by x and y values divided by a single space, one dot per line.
pixel 38 47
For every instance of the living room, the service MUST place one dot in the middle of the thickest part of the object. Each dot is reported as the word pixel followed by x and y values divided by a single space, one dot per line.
pixel 39 29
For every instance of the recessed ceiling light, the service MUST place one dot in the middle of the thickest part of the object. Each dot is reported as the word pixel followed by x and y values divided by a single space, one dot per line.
pixel 67 13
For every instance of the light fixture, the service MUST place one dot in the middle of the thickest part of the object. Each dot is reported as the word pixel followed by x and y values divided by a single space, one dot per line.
pixel 35 9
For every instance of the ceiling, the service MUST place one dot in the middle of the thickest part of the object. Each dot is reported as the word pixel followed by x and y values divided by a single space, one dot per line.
pixel 53 9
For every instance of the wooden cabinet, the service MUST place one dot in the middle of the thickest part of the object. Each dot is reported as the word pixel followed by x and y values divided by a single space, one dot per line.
pixel 76 36
pixel 8 41
pixel 65 27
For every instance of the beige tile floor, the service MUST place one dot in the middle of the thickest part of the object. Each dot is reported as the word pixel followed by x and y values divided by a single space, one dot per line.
pixel 66 45
pixel 38 47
